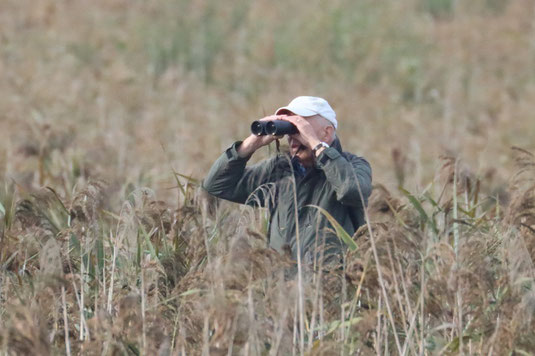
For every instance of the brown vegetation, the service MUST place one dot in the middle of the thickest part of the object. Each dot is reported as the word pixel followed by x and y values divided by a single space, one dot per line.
pixel 112 111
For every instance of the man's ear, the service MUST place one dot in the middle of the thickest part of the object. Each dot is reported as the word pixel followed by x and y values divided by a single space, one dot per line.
pixel 329 134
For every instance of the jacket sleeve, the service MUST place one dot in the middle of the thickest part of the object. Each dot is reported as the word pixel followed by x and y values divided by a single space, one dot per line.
pixel 347 174
pixel 230 179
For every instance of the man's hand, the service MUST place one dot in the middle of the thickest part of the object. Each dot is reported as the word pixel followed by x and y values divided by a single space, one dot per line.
pixel 307 134
pixel 254 142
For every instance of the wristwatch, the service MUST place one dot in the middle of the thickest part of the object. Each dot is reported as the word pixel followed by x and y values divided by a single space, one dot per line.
pixel 318 146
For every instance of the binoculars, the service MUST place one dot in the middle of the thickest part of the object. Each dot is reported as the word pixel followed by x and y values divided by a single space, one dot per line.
pixel 275 128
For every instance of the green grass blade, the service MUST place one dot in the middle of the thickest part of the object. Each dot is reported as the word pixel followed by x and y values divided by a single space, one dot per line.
pixel 180 186
pixel 59 200
pixel 148 242
pixel 191 292
pixel 109 213
pixel 190 179
pixel 418 206
pixel 340 232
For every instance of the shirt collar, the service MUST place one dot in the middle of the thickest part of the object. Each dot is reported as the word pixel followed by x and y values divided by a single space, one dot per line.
pixel 298 168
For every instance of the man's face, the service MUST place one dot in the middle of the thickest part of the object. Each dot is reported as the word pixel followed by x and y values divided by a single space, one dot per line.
pixel 299 149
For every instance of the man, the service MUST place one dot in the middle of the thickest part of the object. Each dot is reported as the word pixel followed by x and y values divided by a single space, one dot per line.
pixel 316 172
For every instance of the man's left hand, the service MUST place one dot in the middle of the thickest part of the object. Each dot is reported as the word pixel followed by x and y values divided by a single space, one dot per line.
pixel 307 135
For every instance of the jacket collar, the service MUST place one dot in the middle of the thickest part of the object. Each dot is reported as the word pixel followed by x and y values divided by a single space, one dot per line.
pixel 337 145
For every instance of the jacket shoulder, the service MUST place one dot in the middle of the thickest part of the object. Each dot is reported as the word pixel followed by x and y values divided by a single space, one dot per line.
pixel 354 158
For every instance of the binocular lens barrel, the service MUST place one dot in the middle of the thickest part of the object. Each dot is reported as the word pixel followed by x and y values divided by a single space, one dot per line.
pixel 275 128
pixel 280 127
pixel 258 128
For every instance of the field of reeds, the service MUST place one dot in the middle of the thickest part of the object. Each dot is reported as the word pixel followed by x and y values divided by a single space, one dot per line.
pixel 112 111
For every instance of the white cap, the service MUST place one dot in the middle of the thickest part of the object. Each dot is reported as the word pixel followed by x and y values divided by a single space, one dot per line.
pixel 309 106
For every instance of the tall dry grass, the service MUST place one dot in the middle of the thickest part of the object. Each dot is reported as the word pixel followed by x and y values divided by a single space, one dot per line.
pixel 113 111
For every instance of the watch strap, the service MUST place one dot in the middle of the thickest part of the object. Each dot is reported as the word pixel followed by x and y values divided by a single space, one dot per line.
pixel 320 145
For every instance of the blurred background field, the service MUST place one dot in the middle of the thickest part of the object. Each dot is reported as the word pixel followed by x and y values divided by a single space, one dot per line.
pixel 128 92
pixel 102 87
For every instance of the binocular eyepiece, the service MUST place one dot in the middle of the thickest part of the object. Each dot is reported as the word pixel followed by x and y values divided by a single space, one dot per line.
pixel 275 128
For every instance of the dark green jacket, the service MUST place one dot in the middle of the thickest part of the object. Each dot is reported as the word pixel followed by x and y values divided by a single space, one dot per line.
pixel 332 184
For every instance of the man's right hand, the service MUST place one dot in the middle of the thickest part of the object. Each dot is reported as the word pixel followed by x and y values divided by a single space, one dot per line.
pixel 254 142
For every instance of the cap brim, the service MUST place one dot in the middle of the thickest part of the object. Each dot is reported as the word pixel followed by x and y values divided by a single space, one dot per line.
pixel 298 111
